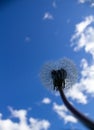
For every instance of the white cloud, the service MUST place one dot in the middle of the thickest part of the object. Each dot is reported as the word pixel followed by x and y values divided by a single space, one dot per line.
pixel 39 125
pixel 46 101
pixel 86 84
pixel 84 24
pixel 48 16
pixel 84 39
pixel 80 27
pixel 24 123
pixel 87 80
pixel 91 2
pixel 62 112
pixel 76 94
pixel 84 36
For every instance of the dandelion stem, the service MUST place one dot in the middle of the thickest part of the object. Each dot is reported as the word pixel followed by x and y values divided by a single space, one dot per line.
pixel 86 121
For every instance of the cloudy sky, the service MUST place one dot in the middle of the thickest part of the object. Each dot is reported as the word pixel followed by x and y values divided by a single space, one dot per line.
pixel 33 32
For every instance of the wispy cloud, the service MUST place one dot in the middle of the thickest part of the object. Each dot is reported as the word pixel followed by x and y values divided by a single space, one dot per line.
pixel 91 2
pixel 54 4
pixel 46 100
pixel 83 1
pixel 62 112
pixel 24 123
pixel 48 16
pixel 83 38
pixel 27 39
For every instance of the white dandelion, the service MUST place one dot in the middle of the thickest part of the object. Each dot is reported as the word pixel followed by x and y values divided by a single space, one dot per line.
pixel 65 64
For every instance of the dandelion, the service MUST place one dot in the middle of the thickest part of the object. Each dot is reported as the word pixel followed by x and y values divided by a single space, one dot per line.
pixel 61 66
pixel 60 75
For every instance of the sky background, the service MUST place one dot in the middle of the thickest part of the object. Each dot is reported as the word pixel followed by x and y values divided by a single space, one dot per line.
pixel 33 32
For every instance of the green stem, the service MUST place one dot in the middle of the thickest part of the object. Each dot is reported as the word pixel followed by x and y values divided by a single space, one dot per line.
pixel 86 121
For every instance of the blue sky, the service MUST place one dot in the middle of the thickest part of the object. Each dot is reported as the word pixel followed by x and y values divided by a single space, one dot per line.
pixel 33 32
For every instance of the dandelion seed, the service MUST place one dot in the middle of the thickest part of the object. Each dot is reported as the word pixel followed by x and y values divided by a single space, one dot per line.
pixel 66 65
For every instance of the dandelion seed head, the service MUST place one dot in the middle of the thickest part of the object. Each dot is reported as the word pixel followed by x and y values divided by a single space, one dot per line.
pixel 65 64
